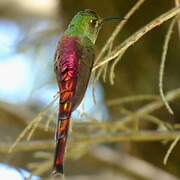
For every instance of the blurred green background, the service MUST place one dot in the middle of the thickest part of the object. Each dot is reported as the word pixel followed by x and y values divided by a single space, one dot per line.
pixel 29 31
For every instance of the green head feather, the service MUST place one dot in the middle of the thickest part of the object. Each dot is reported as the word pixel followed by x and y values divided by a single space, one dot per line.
pixel 85 23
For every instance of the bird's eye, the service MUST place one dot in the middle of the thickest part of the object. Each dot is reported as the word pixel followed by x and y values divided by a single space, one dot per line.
pixel 93 22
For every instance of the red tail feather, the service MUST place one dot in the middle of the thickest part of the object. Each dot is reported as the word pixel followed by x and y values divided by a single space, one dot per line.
pixel 59 156
pixel 61 139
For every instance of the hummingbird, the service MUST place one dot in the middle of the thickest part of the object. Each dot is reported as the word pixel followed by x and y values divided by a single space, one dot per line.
pixel 73 62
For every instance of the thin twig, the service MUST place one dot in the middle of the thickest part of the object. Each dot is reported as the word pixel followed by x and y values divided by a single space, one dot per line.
pixel 136 36
pixel 24 146
pixel 147 117
pixel 105 68
pixel 105 138
pixel 112 73
pixel 31 126
pixel 149 108
pixel 170 149
pixel 50 119
pixel 162 66
pixel 157 121
pixel 109 42
pixel 22 134
pixel 177 3
pixel 118 29
pixel 131 136
pixel 129 99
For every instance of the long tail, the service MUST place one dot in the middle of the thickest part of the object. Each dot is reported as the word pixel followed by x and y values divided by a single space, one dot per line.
pixel 61 137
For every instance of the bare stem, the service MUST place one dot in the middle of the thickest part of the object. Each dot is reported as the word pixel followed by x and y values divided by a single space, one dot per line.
pixel 118 29
pixel 132 136
pixel 31 127
pixel 136 36
pixel 170 149
pixel 108 138
pixel 129 99
pixel 177 3
pixel 162 66
pixel 149 108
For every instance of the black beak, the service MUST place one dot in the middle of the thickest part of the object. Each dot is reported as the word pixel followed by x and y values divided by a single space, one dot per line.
pixel 111 18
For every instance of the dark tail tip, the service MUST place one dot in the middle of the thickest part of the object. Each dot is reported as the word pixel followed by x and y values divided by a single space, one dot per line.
pixel 58 170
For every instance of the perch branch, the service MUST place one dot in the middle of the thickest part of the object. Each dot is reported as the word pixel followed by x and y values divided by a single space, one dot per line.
pixel 149 108
pixel 118 29
pixel 162 66
pixel 136 36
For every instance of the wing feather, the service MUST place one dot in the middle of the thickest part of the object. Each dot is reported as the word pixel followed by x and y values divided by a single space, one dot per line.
pixel 84 72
